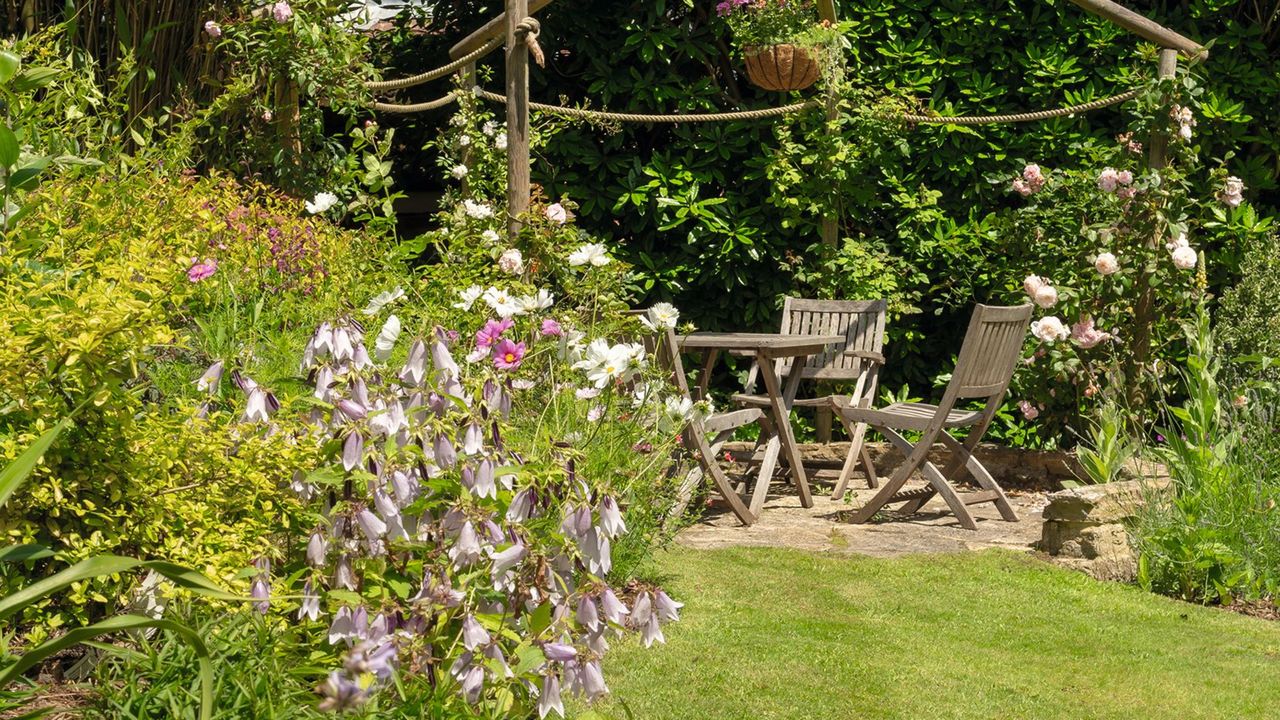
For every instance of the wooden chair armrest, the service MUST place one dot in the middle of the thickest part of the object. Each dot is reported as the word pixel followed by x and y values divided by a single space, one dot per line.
pixel 866 355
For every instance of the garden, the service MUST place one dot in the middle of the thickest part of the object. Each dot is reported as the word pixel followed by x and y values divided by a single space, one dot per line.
pixel 701 359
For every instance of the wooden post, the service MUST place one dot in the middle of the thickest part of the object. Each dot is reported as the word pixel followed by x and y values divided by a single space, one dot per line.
pixel 517 117
pixel 1144 307
pixel 466 81
pixel 830 223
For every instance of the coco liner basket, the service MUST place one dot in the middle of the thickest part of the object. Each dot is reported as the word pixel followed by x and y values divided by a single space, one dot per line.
pixel 781 67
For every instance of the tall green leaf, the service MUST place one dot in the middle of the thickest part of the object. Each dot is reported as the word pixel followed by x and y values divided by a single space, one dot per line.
pixel 8 147
pixel 110 565
pixel 16 472
pixel 116 624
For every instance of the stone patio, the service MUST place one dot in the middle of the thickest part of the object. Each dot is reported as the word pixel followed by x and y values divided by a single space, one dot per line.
pixel 826 526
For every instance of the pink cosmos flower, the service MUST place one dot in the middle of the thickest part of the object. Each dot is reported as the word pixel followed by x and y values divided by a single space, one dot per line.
pixel 492 332
pixel 201 270
pixel 508 355
pixel 551 328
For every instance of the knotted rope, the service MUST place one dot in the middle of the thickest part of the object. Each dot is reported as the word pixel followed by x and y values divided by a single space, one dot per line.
pixel 527 32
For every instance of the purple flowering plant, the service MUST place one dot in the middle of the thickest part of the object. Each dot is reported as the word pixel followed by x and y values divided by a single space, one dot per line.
pixel 451 548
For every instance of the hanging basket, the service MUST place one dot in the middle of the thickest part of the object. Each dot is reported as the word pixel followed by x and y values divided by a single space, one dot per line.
pixel 782 67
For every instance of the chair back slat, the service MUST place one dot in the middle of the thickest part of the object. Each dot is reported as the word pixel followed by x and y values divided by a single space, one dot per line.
pixel 861 322
pixel 991 350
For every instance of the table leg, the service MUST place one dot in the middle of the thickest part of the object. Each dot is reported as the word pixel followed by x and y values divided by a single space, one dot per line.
pixel 781 400
pixel 705 380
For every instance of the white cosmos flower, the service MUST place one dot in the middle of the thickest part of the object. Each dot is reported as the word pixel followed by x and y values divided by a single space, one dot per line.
pixel 590 254
pixel 477 210
pixel 469 297
pixel 387 337
pixel 502 303
pixel 321 202
pixel 662 316
pixel 383 299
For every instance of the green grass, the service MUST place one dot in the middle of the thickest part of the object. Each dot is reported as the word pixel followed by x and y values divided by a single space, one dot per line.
pixel 784 634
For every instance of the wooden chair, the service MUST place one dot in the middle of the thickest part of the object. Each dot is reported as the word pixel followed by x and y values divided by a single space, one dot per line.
pixel 991 350
pixel 858 361
pixel 704 440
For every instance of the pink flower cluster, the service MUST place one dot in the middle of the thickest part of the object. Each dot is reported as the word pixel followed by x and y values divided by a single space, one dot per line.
pixel 1086 335
pixel 1118 182
pixel 507 355
pixel 729 6
pixel 1032 181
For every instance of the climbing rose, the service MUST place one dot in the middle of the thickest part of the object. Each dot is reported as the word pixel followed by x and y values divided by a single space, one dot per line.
pixel 1232 192
pixel 281 11
pixel 213 29
pixel 490 236
pixel 511 262
pixel 1086 335
pixel 1050 329
pixel 1184 258
pixel 1107 180
pixel 1021 187
pixel 1046 296
pixel 459 171
pixel 557 214
pixel 1033 177
pixel 1029 411
pixel 1033 283
pixel 1106 264
pixel 479 211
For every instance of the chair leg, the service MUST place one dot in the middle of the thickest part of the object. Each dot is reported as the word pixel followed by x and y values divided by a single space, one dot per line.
pixel 980 474
pixel 937 481
pixel 873 481
pixel 850 460
pixel 894 484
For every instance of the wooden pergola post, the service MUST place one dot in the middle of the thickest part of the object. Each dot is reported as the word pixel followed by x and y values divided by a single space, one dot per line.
pixel 517 116
pixel 830 222
pixel 1144 307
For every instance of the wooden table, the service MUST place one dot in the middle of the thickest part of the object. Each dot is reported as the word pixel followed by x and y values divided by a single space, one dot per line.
pixel 766 348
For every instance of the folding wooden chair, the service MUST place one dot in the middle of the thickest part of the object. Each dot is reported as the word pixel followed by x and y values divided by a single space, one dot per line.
pixel 991 350
pixel 859 360
pixel 705 439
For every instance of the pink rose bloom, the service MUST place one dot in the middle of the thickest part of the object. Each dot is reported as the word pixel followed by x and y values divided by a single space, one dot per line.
pixel 266 116
pixel 492 332
pixel 1124 177
pixel 551 328
pixel 282 12
pixel 1031 284
pixel 1126 193
pixel 201 270
pixel 1021 187
pixel 1086 335
pixel 511 262
pixel 1108 179
pixel 1046 296
pixel 557 214
pixel 213 29
pixel 508 355
pixel 1034 177
pixel 1184 258
pixel 1029 411
pixel 1106 264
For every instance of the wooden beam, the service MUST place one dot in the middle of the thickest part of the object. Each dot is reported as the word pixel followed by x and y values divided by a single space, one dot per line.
pixel 491 30
pixel 517 117
pixel 1144 27
pixel 827 9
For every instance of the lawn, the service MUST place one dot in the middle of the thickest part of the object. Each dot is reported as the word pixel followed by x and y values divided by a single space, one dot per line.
pixel 769 633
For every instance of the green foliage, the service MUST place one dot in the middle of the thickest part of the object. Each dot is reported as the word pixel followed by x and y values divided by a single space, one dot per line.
pixel 1215 535
pixel 1109 447
pixel 1249 318
pixel 773 22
